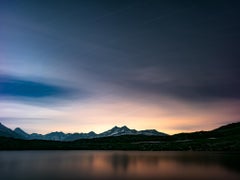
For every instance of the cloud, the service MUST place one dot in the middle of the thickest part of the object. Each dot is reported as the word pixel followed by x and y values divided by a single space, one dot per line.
pixel 15 88
pixel 182 85
pixel 194 55
pixel 195 91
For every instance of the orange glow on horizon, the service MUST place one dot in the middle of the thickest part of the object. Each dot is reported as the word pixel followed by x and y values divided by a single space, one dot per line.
pixel 102 116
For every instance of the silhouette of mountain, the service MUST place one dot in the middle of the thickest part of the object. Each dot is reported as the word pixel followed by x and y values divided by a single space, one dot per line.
pixel 124 130
pixel 225 138
pixel 224 131
pixel 75 136
pixel 21 133
pixel 118 131
pixel 152 132
pixel 60 136
pixel 6 132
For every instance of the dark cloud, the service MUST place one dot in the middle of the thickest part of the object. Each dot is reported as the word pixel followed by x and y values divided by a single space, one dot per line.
pixel 195 91
pixel 192 45
pixel 27 90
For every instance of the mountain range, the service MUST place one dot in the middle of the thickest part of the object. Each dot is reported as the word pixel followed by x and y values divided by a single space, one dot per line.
pixel 225 138
pixel 60 136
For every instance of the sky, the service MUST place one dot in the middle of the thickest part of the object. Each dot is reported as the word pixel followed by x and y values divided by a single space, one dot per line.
pixel 80 66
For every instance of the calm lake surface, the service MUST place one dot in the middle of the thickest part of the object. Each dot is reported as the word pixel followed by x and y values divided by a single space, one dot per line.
pixel 118 165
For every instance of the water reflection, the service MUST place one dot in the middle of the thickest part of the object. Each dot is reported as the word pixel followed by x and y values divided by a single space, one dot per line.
pixel 118 165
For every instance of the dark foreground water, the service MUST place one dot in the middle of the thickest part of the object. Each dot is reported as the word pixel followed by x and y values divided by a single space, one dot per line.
pixel 118 165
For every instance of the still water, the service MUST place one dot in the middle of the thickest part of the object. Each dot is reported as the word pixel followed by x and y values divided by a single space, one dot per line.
pixel 118 165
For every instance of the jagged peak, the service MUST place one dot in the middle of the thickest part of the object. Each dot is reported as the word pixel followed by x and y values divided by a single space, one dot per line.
pixel 115 127
pixel 120 127
pixel 91 132
pixel 18 129
pixel 57 132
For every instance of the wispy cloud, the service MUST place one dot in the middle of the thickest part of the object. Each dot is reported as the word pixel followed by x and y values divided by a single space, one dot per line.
pixel 21 89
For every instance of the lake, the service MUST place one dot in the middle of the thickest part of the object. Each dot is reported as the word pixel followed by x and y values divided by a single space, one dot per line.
pixel 118 165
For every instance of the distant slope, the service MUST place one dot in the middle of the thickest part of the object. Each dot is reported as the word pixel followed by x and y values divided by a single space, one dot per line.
pixel 230 129
pixel 223 131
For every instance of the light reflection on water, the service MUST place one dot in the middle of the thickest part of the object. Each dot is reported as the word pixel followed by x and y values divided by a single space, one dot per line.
pixel 118 165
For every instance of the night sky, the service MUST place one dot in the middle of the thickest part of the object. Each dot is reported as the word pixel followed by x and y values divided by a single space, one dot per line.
pixel 78 66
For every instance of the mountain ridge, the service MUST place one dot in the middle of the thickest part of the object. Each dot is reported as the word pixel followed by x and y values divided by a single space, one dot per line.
pixel 225 138
pixel 60 136
pixel 117 131
pixel 7 132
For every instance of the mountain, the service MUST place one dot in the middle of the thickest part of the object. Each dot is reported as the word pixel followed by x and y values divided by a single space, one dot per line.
pixel 151 132
pixel 118 131
pixel 22 133
pixel 75 136
pixel 124 130
pixel 60 136
pixel 229 129
pixel 115 131
pixel 56 136
pixel 36 136
pixel 225 138
pixel 6 132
